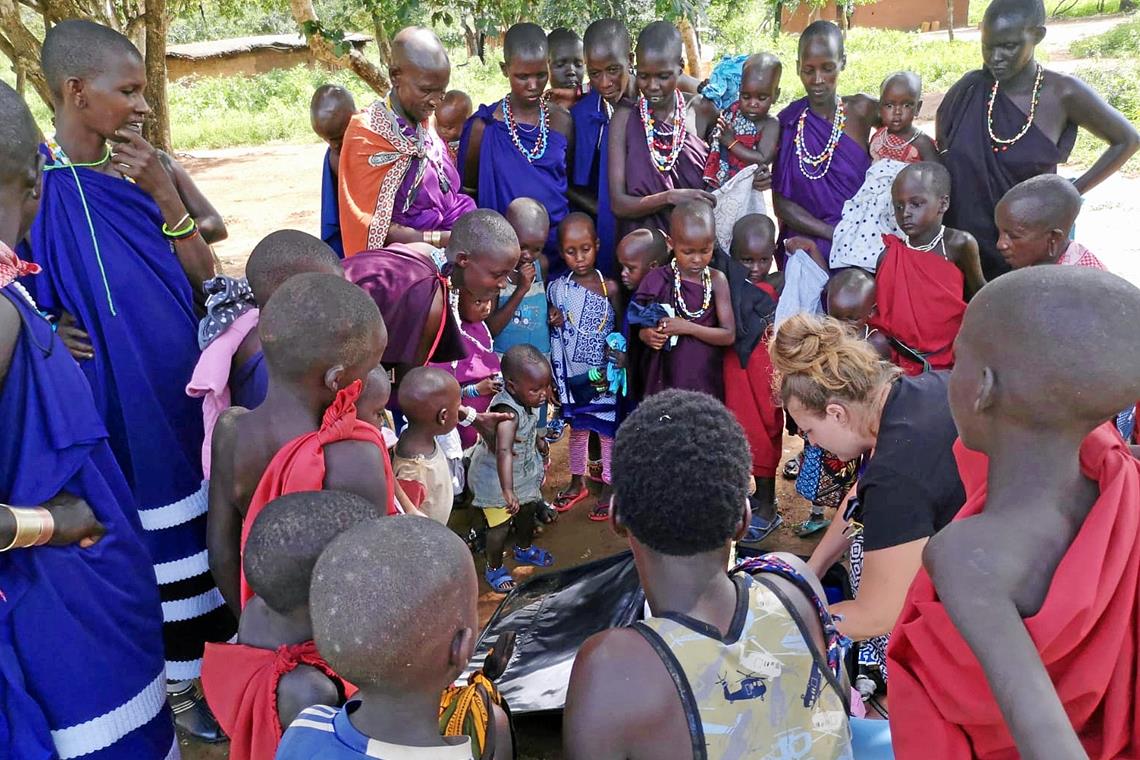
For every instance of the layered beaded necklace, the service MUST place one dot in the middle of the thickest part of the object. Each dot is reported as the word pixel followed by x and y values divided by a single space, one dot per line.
pixel 816 167
pixel 937 241
pixel 678 293
pixel 539 149
pixel 896 143
pixel 664 152
pixel 453 302
pixel 1003 143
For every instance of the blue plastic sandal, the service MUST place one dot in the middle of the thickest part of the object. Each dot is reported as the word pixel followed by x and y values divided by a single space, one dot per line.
pixel 533 556
pixel 500 580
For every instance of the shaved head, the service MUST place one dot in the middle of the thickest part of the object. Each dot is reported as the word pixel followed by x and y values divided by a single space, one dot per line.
pixel 388 599
pixel 761 64
pixel 526 40
pixel 330 110
pixel 529 215
pixel 851 295
pixel 660 38
pixel 908 79
pixel 1044 202
pixel 287 538
pixel 607 35
pixel 457 99
pixel 317 321
pixel 824 31
pixel 424 391
pixel 482 232
pixel 419 47
pixel 19 141
pixel 1032 12
pixel 647 245
pixel 81 49
pixel 283 254
pixel 561 38
pixel 1058 341
pixel 753 227
pixel 694 216
pixel 932 175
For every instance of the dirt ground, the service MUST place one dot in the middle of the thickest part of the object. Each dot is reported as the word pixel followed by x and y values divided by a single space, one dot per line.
pixel 262 189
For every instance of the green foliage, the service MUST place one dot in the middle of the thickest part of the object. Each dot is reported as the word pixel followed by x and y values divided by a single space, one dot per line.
pixel 1054 8
pixel 1120 86
pixel 871 55
pixel 1122 41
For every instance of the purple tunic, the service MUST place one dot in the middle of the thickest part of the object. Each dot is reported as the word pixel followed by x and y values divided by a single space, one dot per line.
pixel 591 170
pixel 403 282
pixel 822 198
pixel 504 174
pixel 691 365
pixel 642 178
pixel 431 206
pixel 980 177
pixel 480 363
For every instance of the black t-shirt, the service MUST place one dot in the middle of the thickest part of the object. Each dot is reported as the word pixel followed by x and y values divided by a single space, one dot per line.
pixel 911 488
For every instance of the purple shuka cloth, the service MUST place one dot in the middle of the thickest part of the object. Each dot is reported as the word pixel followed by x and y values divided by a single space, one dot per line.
pixel 591 170
pixel 979 176
pixel 431 208
pixel 692 364
pixel 402 281
pixel 822 198
pixel 504 174
pixel 642 178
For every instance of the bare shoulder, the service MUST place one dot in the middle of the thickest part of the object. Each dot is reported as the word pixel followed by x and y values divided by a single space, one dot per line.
pixel 960 244
pixel 616 662
pixel 226 429
pixel 303 687
pixel 861 105
pixel 10 326
pixel 979 552
pixel 718 278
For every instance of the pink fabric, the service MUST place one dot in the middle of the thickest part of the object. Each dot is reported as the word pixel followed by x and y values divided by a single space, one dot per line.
pixel 579 452
pixel 211 379
pixel 1079 256
pixel 480 362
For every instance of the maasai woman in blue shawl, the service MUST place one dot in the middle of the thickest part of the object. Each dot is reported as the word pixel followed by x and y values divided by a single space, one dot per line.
pixel 517 148
pixel 119 248
pixel 81 656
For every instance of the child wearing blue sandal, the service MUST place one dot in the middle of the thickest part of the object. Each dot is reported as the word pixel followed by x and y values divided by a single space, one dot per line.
pixel 506 474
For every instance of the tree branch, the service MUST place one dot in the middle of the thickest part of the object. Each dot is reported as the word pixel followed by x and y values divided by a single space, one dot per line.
pixel 306 15
pixel 24 47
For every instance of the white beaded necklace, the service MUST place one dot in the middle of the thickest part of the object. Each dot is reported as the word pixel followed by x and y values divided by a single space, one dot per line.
pixel 937 241
pixel 453 301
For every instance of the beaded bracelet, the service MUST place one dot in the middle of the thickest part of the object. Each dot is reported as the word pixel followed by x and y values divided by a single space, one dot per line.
pixel 470 391
pixel 733 144
pixel 182 232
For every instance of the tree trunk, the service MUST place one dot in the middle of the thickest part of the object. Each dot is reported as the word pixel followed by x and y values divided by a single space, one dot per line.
pixel 156 129
pixel 950 19
pixel 1127 5
pixel 23 48
pixel 383 41
pixel 777 19
pixel 305 14
pixel 692 49
pixel 471 39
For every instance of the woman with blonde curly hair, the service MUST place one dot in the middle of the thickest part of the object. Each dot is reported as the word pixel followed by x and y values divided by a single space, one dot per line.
pixel 849 401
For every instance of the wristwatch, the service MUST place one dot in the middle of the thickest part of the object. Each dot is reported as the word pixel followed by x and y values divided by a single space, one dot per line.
pixel 467 416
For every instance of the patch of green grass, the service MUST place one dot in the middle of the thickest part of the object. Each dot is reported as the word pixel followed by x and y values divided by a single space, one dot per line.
pixel 1121 41
pixel 1120 86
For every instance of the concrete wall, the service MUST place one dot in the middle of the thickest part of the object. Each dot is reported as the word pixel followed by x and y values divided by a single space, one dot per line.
pixel 907 15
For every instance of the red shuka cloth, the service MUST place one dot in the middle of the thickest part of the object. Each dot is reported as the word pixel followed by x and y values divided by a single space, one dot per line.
pixel 240 684
pixel 300 464
pixel 1087 632
pixel 749 395
pixel 920 303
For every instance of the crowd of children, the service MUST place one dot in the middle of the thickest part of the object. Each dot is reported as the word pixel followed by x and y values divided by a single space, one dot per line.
pixel 492 279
